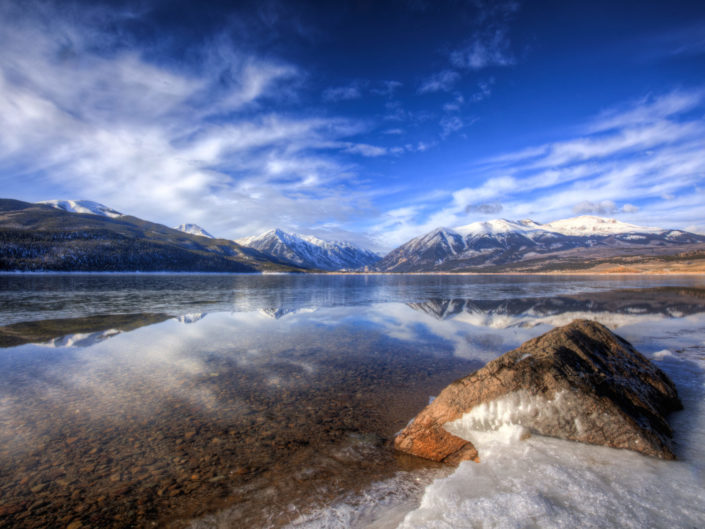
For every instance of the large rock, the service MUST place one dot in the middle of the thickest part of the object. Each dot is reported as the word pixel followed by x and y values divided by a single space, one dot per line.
pixel 579 382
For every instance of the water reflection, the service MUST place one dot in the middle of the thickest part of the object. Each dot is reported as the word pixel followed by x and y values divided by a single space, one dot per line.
pixel 171 420
pixel 663 301
pixel 612 307
pixel 126 419
pixel 32 297
pixel 74 331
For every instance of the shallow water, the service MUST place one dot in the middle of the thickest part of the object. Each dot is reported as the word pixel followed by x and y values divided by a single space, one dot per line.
pixel 262 401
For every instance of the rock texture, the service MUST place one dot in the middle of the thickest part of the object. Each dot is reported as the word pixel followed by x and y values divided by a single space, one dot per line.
pixel 578 382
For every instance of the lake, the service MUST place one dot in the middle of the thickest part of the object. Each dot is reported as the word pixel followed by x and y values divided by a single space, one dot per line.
pixel 227 401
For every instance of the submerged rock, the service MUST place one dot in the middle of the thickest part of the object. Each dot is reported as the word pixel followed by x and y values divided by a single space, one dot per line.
pixel 578 382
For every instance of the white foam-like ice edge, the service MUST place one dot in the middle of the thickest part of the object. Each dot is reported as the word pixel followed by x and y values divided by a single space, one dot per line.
pixel 507 419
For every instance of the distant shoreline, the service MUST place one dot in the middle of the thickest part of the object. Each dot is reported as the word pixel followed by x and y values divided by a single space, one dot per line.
pixel 336 273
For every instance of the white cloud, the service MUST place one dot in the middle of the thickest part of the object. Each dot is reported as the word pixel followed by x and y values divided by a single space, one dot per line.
pixel 450 124
pixel 646 110
pixel 455 104
pixel 343 93
pixel 359 88
pixel 603 207
pixel 490 208
pixel 386 88
pixel 487 48
pixel 484 90
pixel 685 40
pixel 439 82
pixel 629 208
pixel 365 149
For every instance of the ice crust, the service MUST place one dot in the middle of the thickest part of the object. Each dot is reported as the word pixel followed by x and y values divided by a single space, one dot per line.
pixel 509 418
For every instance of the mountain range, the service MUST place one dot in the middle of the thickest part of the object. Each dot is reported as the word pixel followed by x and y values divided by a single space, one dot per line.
pixel 85 235
pixel 50 237
pixel 502 245
pixel 308 251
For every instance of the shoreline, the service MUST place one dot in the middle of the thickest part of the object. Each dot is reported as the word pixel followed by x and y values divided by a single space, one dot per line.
pixel 341 273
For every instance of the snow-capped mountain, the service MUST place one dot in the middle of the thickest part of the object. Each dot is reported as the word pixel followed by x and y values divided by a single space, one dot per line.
pixel 500 242
pixel 193 229
pixel 49 238
pixel 591 225
pixel 308 251
pixel 83 206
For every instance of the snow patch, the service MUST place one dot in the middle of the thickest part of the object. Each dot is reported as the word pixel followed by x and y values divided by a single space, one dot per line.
pixel 498 226
pixel 663 353
pixel 83 206
pixel 591 225
pixel 193 229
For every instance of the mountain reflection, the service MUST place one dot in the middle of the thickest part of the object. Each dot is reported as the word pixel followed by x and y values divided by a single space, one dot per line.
pixel 613 308
pixel 65 332
pixel 666 301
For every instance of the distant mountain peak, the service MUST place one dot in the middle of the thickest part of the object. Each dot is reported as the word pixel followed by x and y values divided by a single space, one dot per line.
pixel 83 206
pixel 309 251
pixel 194 229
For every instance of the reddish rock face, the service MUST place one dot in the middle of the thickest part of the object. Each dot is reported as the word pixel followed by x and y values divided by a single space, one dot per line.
pixel 583 383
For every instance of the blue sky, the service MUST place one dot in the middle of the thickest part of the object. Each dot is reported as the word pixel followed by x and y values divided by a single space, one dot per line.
pixel 368 121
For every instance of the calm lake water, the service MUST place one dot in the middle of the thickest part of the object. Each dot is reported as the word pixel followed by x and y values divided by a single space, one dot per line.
pixel 269 401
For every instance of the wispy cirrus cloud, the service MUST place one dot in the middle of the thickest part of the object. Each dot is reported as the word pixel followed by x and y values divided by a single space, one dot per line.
pixel 386 88
pixel 685 40
pixel 639 153
pixel 489 45
pixel 343 93
pixel 450 124
pixel 366 150
pixel 439 82
pixel 604 207
pixel 487 48
pixel 360 88
pixel 491 208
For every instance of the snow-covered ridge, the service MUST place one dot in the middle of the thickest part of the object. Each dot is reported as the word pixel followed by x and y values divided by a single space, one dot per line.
pixel 493 227
pixel 193 229
pixel 310 252
pixel 295 238
pixel 457 239
pixel 83 206
pixel 584 225
pixel 591 225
